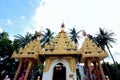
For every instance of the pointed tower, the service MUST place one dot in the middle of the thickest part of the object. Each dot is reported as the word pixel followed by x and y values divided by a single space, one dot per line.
pixel 92 54
pixel 28 57
pixel 60 61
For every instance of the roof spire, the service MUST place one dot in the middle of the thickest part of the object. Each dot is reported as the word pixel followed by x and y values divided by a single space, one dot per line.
pixel 62 25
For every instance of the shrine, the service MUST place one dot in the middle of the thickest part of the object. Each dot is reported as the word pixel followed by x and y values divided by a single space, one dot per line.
pixel 62 56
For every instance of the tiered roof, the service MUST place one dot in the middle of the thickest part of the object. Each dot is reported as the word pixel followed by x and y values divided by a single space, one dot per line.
pixel 61 45
pixel 31 50
pixel 91 49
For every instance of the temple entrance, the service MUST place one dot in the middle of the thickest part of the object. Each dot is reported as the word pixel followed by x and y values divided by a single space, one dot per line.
pixel 59 72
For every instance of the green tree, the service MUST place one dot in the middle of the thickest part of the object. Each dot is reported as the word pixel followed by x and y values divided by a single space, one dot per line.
pixel 46 36
pixel 34 35
pixel 21 41
pixel 112 69
pixel 74 35
pixel 105 38
pixel 6 49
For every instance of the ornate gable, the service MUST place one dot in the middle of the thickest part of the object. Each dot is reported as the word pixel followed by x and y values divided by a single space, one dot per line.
pixel 31 50
pixel 61 44
pixel 90 49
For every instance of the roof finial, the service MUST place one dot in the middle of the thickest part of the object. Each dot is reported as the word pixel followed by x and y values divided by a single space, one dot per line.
pixel 62 25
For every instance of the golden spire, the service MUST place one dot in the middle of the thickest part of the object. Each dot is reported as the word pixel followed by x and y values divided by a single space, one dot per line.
pixel 62 26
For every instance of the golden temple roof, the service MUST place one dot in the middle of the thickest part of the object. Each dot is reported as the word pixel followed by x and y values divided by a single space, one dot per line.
pixel 61 44
pixel 31 50
pixel 90 49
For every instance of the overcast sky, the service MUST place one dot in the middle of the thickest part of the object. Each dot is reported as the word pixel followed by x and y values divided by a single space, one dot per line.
pixel 21 16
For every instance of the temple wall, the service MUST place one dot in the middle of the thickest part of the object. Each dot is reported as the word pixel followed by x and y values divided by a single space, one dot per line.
pixel 49 74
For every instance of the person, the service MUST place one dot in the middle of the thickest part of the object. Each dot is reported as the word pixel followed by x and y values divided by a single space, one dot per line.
pixel 38 78
pixel 6 77
pixel 107 78
pixel 93 75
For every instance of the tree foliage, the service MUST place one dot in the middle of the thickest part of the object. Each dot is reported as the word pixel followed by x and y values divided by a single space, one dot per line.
pixel 74 35
pixel 105 38
pixel 7 65
pixel 112 69
pixel 46 37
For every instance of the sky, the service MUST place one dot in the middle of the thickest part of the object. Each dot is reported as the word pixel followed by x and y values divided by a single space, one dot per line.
pixel 22 16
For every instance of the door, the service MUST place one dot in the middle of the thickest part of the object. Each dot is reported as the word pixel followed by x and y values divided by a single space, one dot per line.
pixel 59 72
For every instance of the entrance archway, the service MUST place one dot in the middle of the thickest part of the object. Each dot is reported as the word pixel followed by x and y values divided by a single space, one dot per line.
pixel 59 72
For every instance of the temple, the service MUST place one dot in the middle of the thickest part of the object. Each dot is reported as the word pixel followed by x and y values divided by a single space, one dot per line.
pixel 62 57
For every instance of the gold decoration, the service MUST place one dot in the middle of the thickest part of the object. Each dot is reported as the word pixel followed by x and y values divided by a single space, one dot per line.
pixel 61 44
pixel 72 63
pixel 31 50
pixel 48 63
pixel 90 49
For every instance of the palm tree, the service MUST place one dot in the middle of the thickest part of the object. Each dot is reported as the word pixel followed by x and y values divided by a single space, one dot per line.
pixel 46 36
pixel 35 35
pixel 105 38
pixel 74 35
pixel 4 35
pixel 23 40
pixel 5 45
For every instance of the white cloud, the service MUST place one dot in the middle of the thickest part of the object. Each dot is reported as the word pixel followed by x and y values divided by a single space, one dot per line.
pixel 8 22
pixel 115 56
pixel 1 30
pixel 85 14
pixel 74 12
pixel 5 21
pixel 22 17
pixel 29 29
